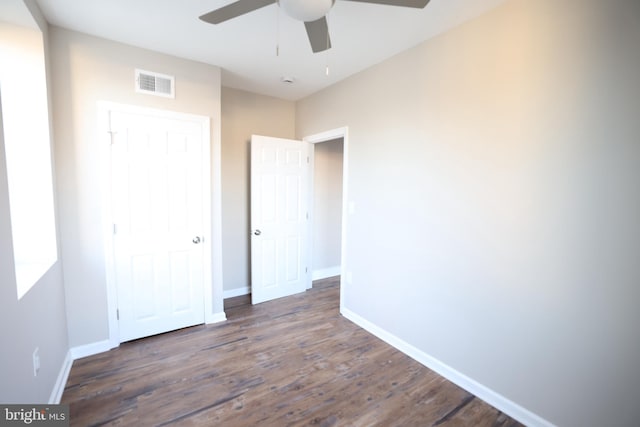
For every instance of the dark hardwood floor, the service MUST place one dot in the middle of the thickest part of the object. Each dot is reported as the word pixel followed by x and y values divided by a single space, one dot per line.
pixel 294 361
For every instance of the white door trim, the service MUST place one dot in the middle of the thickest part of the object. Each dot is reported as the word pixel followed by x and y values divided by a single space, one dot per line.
pixel 212 256
pixel 329 135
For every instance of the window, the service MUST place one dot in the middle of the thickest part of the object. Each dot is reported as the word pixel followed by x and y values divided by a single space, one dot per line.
pixel 23 94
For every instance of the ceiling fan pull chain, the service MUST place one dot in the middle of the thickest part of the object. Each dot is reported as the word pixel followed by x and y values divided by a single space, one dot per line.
pixel 278 30
pixel 326 70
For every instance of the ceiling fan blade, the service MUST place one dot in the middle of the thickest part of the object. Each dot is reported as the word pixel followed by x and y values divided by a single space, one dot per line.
pixel 418 4
pixel 234 10
pixel 318 32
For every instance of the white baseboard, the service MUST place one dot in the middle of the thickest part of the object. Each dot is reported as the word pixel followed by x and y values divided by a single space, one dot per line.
pixel 90 349
pixel 61 381
pixel 323 273
pixel 236 292
pixel 494 399
pixel 73 354
pixel 95 348
pixel 216 317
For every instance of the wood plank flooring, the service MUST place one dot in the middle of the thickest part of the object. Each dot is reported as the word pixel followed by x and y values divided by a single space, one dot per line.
pixel 294 361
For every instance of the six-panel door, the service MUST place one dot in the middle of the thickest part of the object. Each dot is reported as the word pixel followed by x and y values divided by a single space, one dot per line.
pixel 157 202
pixel 279 215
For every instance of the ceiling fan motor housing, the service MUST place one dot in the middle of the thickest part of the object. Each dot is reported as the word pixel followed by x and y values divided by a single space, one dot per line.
pixel 306 10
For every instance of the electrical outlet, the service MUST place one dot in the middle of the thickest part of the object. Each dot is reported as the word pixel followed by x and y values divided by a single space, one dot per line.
pixel 36 361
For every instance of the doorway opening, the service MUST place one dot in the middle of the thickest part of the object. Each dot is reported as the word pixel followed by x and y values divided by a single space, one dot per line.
pixel 326 236
pixel 282 214
pixel 328 202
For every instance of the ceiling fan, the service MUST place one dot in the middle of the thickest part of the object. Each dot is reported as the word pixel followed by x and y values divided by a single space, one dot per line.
pixel 311 12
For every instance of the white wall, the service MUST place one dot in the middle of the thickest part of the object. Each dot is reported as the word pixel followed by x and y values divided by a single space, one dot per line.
pixel 87 70
pixel 500 174
pixel 38 318
pixel 244 114
pixel 327 208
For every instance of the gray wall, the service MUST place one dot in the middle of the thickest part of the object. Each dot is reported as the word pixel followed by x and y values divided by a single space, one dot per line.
pixel 500 174
pixel 327 205
pixel 36 320
pixel 87 70
pixel 244 114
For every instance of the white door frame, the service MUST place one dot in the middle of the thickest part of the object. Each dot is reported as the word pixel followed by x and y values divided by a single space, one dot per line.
pixel 329 135
pixel 212 216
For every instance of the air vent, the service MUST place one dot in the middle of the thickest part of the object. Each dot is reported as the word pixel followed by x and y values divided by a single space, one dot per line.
pixel 155 84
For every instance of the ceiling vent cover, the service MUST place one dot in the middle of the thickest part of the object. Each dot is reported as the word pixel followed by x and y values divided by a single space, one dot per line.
pixel 155 83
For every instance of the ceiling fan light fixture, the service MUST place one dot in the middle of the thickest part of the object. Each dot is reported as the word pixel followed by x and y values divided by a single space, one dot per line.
pixel 306 10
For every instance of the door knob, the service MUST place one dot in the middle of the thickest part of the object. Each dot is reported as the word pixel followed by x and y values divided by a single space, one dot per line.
pixel 257 232
pixel 196 240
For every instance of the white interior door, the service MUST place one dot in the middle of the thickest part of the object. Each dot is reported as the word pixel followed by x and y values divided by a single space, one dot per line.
pixel 159 205
pixel 279 215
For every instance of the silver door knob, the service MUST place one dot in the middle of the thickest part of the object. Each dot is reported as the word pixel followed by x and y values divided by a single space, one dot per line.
pixel 257 232
pixel 196 240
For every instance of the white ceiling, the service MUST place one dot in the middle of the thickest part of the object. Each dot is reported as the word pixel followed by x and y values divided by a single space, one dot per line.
pixel 245 47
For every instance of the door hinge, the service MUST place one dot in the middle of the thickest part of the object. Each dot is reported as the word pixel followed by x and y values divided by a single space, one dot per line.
pixel 111 136
pixel 115 229
pixel 118 313
pixel 307 159
pixel 306 269
pixel 110 130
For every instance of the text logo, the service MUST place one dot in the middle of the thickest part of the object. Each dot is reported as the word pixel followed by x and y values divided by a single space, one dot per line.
pixel 34 415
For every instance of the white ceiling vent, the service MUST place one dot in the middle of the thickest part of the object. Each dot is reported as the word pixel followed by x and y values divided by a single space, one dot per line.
pixel 155 83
